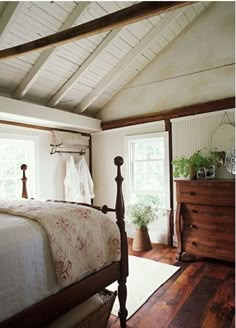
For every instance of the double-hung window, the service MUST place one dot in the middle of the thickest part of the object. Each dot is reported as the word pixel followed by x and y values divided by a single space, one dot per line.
pixel 14 153
pixel 148 176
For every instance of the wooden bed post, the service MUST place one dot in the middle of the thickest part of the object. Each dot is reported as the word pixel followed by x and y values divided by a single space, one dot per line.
pixel 24 179
pixel 120 211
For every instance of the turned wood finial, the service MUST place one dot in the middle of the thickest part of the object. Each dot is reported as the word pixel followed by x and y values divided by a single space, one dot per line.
pixel 118 161
pixel 24 179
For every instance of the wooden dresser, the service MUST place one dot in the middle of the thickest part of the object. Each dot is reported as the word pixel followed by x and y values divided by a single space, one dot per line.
pixel 205 218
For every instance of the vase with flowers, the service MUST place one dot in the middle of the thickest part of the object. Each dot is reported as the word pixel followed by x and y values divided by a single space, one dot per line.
pixel 141 214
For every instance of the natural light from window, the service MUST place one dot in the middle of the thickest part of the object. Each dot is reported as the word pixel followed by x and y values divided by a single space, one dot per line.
pixel 14 153
pixel 148 169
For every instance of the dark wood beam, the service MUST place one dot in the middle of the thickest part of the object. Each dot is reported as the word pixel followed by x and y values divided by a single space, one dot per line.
pixel 206 107
pixel 40 127
pixel 168 128
pixel 111 21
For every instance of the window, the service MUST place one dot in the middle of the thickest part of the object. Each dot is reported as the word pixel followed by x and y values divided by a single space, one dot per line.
pixel 148 176
pixel 13 153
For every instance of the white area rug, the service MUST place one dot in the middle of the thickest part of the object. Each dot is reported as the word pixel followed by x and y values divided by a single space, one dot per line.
pixel 145 277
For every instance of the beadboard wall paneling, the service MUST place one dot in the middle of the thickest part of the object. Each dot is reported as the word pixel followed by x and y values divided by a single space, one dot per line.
pixel 193 133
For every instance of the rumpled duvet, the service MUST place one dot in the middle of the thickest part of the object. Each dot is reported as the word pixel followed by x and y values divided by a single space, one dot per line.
pixel 81 239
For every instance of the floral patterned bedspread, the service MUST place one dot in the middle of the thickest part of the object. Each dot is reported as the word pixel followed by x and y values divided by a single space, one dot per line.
pixel 82 239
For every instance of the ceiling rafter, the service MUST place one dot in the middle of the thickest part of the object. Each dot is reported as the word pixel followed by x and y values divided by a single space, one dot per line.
pixel 83 68
pixel 111 21
pixel 8 17
pixel 121 66
pixel 33 74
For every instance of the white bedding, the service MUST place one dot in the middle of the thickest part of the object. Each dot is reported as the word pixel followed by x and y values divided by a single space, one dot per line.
pixel 27 269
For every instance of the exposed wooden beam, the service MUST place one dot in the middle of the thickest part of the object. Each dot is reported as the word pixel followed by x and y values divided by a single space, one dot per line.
pixel 7 18
pixel 121 66
pixel 83 68
pixel 33 74
pixel 40 127
pixel 206 107
pixel 114 20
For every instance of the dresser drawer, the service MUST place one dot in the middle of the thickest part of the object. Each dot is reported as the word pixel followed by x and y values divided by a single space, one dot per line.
pixel 210 247
pixel 196 230
pixel 206 192
pixel 208 221
pixel 208 214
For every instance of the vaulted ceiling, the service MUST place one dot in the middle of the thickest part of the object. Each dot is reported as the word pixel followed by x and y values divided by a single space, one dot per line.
pixel 81 76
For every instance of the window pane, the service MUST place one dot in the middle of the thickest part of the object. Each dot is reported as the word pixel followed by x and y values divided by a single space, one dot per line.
pixel 145 175
pixel 138 150
pixel 148 170
pixel 13 153
pixel 145 150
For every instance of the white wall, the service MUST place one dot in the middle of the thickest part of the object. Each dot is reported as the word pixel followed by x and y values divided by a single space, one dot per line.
pixel 198 66
pixel 106 146
pixel 50 169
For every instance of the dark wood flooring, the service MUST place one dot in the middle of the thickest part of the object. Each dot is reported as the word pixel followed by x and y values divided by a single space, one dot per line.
pixel 200 295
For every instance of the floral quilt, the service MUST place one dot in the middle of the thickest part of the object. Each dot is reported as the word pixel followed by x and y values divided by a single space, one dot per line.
pixel 82 239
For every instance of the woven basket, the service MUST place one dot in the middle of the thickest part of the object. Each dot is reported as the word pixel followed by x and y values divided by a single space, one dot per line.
pixel 98 318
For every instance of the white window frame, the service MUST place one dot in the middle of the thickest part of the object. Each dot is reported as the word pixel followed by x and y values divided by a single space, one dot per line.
pixel 128 172
pixel 31 171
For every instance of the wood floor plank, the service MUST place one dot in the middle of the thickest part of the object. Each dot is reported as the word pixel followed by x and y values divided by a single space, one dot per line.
pixel 156 253
pixel 162 312
pixel 233 323
pixel 221 308
pixel 198 300
pixel 219 270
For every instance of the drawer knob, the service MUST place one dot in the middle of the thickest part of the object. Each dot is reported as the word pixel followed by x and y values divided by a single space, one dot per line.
pixel 194 243
pixel 194 211
pixel 192 193
pixel 192 226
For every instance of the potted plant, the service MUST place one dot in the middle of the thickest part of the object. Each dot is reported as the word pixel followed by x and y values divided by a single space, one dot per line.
pixel 189 166
pixel 141 214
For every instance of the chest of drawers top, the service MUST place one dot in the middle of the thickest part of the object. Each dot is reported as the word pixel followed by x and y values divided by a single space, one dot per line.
pixel 206 191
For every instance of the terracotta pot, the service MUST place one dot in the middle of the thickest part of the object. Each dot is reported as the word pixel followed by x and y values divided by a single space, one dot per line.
pixel 141 241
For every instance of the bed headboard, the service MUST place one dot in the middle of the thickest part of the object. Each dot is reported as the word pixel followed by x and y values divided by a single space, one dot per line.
pixel 24 179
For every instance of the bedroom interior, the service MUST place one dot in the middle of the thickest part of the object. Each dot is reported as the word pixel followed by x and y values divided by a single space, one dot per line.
pixel 148 82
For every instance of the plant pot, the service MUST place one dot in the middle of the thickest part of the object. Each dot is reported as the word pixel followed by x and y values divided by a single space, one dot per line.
pixel 141 241
pixel 192 173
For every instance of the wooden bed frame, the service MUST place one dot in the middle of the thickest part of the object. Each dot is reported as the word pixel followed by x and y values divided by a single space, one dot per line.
pixel 55 305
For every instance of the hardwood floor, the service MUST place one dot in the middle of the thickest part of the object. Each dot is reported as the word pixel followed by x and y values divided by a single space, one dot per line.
pixel 200 295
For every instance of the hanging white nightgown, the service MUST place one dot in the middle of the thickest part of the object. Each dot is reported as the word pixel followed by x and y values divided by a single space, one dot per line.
pixel 85 181
pixel 71 182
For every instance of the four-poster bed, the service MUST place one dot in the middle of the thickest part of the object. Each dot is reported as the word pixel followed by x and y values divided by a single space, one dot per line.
pixel 53 306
